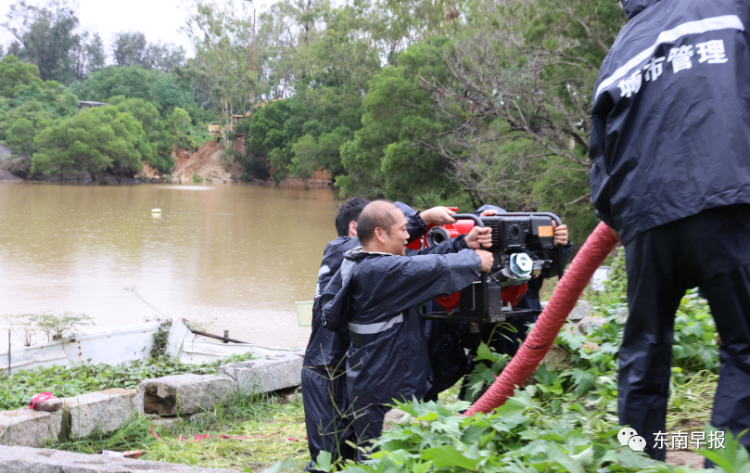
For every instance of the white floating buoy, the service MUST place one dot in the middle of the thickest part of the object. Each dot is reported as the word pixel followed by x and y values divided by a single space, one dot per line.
pixel 155 211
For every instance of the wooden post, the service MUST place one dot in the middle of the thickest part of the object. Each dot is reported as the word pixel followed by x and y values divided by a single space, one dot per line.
pixel 226 336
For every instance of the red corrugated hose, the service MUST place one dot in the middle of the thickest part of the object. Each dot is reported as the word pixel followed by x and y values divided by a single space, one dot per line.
pixel 598 245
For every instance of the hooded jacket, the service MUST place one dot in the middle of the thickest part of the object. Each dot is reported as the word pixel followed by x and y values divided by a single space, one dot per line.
pixel 671 114
pixel 324 347
pixel 378 299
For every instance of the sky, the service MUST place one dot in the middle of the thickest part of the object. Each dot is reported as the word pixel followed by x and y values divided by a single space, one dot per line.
pixel 159 20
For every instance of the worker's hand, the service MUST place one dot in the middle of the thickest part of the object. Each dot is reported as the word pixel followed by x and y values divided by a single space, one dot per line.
pixel 487 260
pixel 479 237
pixel 438 216
pixel 489 213
pixel 615 233
pixel 561 234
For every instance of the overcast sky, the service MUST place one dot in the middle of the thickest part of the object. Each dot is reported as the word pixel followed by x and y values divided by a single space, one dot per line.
pixel 159 20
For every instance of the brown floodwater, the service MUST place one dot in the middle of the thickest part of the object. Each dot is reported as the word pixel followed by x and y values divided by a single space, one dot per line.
pixel 235 257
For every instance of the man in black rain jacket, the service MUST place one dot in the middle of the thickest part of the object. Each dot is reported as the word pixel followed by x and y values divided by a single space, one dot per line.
pixel 670 141
pixel 380 290
pixel 323 385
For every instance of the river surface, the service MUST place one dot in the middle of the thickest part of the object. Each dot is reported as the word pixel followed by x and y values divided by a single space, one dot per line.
pixel 234 257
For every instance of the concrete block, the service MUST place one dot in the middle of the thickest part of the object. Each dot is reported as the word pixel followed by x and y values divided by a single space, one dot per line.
pixel 581 310
pixel 185 394
pixel 27 428
pixel 266 374
pixel 33 460
pixel 104 411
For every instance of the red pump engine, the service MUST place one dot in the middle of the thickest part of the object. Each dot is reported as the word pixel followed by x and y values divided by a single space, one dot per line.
pixel 438 234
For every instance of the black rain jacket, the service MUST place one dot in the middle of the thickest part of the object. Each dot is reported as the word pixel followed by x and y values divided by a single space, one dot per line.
pixel 378 301
pixel 671 114
pixel 326 348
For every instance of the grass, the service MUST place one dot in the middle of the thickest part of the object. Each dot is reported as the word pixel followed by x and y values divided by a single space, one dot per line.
pixel 272 426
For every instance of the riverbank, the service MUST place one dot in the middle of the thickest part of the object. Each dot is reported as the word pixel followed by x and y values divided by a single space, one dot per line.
pixel 209 164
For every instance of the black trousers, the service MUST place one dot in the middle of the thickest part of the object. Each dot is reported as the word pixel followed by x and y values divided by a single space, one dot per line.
pixel 326 415
pixel 368 424
pixel 710 250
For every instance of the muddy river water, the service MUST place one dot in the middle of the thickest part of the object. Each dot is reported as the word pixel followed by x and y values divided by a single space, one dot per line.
pixel 234 257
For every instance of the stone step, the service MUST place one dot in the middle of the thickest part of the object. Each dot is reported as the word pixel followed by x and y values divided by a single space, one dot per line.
pixel 36 460
pixel 30 428
pixel 186 394
pixel 266 374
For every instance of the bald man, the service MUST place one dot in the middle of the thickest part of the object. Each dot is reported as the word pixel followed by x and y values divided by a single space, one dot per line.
pixel 381 288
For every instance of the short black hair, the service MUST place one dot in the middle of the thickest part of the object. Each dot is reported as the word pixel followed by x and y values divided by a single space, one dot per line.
pixel 375 215
pixel 349 212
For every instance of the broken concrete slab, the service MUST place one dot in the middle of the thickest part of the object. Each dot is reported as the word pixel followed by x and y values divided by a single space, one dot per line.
pixel 28 428
pixel 33 460
pixel 266 374
pixel 104 411
pixel 581 310
pixel 185 394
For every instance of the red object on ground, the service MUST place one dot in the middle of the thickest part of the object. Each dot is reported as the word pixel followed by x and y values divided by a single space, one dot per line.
pixel 40 398
pixel 599 244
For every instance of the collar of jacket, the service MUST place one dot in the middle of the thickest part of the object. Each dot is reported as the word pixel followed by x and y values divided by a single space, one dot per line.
pixel 358 254
pixel 634 7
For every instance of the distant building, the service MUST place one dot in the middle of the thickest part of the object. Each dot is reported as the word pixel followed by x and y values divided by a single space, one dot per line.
pixel 86 104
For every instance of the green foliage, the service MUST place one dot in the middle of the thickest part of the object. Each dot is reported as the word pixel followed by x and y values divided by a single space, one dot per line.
pixel 160 139
pixel 161 336
pixel 93 141
pixel 187 136
pixel 17 389
pixel 197 178
pixel 19 83
pixel 565 418
pixel 21 137
pixel 53 327
pixel 46 36
pixel 303 134
pixel 382 160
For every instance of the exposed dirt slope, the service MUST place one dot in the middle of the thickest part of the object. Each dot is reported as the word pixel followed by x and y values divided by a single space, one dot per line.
pixel 207 162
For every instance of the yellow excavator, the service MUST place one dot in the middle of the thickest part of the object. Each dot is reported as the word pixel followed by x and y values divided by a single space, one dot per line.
pixel 216 130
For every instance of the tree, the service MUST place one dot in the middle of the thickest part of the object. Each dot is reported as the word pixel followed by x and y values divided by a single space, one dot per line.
pixel 93 141
pixel 228 57
pixel 46 35
pixel 132 81
pixel 131 49
pixel 20 137
pixel 519 95
pixel 161 142
pixel 95 53
pixel 88 55
pixel 385 158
